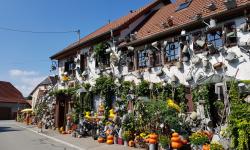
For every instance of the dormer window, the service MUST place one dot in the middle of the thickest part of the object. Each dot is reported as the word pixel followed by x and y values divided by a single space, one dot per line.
pixel 184 5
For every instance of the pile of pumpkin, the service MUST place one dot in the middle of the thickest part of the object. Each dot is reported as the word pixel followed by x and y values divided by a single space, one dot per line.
pixel 152 138
pixel 110 139
pixel 176 141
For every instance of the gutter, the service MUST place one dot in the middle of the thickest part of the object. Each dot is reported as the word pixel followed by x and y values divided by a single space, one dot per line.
pixel 174 29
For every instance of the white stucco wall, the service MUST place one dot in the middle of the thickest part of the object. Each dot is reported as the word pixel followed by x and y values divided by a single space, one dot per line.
pixel 243 64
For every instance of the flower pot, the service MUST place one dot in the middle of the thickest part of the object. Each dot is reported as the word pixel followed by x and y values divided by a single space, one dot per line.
pixel 115 140
pixel 125 143
pixel 152 146
pixel 120 141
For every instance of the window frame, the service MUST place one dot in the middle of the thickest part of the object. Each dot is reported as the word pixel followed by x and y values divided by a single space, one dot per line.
pixel 213 33
pixel 176 49
pixel 140 56
pixel 131 56
pixel 228 28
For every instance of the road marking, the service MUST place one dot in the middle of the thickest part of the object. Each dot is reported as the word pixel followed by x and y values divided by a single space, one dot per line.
pixel 52 138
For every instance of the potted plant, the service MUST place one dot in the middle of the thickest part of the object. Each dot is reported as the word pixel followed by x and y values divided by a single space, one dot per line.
pixel 198 139
pixel 164 142
pixel 216 146
pixel 126 137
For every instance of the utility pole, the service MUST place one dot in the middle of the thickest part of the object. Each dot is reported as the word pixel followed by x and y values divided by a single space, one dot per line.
pixel 79 35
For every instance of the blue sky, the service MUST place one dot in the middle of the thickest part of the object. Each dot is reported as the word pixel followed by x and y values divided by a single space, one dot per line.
pixel 24 59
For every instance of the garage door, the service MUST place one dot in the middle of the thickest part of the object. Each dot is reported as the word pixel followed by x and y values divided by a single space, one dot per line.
pixel 5 113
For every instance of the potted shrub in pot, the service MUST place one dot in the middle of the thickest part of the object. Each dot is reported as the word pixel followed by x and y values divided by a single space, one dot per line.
pixel 198 139
pixel 126 137
pixel 164 142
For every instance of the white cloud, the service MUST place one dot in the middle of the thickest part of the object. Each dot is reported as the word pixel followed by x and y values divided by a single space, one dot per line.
pixel 18 72
pixel 24 80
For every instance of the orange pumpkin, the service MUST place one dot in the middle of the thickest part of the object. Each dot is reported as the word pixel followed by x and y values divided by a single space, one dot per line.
pixel 176 139
pixel 110 137
pixel 147 140
pixel 206 147
pixel 110 142
pixel 184 142
pixel 152 141
pixel 176 145
pixel 153 136
pixel 100 140
pixel 175 134
pixel 131 143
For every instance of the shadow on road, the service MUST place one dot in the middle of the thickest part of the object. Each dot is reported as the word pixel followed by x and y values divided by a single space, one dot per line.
pixel 8 129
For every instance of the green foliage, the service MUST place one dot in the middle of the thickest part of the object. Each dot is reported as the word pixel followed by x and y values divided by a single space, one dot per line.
pixel 164 140
pixel 239 120
pixel 126 86
pixel 157 112
pixel 129 125
pixel 143 88
pixel 198 138
pixel 126 135
pixel 100 53
pixel 179 94
pixel 105 86
pixel 216 146
pixel 64 92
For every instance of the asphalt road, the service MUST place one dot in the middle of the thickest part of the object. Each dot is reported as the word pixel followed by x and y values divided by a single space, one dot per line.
pixel 13 137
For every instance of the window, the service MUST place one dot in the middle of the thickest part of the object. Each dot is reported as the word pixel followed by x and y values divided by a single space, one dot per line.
pixel 198 41
pixel 69 67
pixel 142 58
pixel 230 34
pixel 155 59
pixel 214 37
pixel 130 61
pixel 83 62
pixel 183 5
pixel 172 52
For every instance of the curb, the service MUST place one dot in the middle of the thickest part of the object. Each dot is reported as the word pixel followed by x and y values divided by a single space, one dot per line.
pixel 52 138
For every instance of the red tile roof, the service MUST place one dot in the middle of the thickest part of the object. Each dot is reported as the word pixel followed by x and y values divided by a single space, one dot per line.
pixel 9 94
pixel 184 16
pixel 119 23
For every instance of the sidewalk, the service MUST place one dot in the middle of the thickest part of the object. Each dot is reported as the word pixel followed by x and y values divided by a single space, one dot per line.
pixel 79 143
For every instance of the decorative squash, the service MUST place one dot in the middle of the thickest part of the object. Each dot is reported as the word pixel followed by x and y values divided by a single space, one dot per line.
pixel 175 134
pixel 131 143
pixel 206 147
pixel 153 136
pixel 110 142
pixel 147 140
pixel 110 137
pixel 176 145
pixel 184 142
pixel 100 140
pixel 176 139
pixel 152 141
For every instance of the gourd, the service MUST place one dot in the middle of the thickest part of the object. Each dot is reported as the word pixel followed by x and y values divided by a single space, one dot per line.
pixel 153 138
pixel 100 140
pixel 152 141
pixel 131 143
pixel 110 142
pixel 176 141
pixel 206 147
pixel 110 137
pixel 176 145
